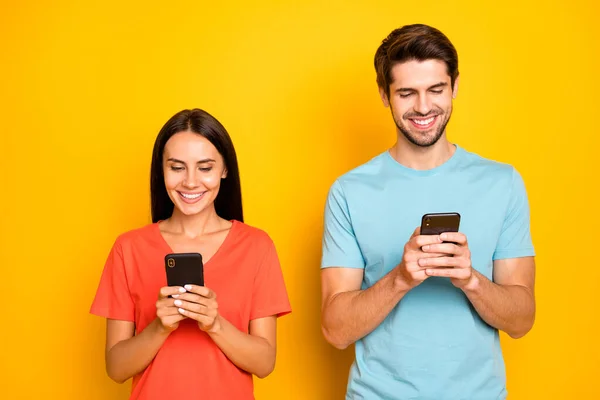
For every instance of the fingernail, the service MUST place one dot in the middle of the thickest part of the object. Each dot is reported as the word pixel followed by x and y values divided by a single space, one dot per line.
pixel 178 303
pixel 175 296
pixel 425 248
pixel 188 287
pixel 181 310
pixel 181 290
pixel 443 236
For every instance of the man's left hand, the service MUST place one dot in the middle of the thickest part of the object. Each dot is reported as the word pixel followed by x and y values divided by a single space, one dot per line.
pixel 456 265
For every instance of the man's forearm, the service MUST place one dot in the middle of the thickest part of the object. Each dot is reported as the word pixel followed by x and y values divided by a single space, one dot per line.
pixel 350 316
pixel 510 308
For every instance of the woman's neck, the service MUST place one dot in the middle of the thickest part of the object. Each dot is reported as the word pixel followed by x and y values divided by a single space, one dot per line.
pixel 196 225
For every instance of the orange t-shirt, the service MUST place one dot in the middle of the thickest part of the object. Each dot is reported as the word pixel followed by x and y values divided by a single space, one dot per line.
pixel 244 273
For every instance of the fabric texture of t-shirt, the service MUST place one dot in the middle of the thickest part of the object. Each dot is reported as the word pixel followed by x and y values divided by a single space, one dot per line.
pixel 245 275
pixel 433 345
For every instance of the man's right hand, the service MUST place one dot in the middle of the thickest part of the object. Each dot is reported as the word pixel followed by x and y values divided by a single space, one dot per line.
pixel 409 273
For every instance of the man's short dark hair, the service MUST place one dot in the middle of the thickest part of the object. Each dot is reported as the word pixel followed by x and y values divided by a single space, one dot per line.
pixel 413 42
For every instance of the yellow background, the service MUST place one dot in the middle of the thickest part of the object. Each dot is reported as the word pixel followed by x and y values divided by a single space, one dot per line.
pixel 85 88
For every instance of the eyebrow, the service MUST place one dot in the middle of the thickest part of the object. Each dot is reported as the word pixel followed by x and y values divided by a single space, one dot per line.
pixel 437 85
pixel 203 161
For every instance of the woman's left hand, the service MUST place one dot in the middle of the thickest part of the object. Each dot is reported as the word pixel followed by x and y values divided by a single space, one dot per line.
pixel 200 304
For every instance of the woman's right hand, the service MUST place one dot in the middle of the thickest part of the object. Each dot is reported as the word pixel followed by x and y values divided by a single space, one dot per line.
pixel 167 313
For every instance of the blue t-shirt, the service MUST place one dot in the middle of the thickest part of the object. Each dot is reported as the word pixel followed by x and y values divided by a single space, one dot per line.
pixel 433 344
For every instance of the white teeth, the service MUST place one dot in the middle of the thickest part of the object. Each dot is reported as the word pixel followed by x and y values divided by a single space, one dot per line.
pixel 191 196
pixel 424 122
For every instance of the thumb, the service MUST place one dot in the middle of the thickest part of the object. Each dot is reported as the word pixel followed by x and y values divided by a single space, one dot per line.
pixel 417 232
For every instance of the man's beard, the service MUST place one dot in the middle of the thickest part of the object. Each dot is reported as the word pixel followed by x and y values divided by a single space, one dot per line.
pixel 427 140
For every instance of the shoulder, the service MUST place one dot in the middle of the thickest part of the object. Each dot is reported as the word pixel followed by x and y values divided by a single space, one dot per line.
pixel 364 172
pixel 500 172
pixel 251 235
pixel 142 236
pixel 252 243
pixel 359 176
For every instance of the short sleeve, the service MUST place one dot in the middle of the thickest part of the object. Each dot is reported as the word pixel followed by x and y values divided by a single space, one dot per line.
pixel 515 237
pixel 340 247
pixel 113 298
pixel 269 295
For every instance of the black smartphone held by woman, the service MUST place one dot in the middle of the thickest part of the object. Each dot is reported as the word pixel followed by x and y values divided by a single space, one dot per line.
pixel 437 223
pixel 184 269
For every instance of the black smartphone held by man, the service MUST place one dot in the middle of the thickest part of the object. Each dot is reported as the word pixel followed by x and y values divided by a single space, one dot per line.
pixel 437 223
pixel 184 269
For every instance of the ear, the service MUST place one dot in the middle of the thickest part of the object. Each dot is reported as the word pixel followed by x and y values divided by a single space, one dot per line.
pixel 455 88
pixel 224 174
pixel 384 97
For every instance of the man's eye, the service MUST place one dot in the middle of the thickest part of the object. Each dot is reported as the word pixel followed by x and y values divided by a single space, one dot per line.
pixel 405 95
pixel 436 91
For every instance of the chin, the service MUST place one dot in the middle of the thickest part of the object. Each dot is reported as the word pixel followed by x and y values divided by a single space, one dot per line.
pixel 190 211
pixel 424 140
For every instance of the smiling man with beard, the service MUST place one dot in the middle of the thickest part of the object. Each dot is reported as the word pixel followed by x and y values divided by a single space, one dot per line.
pixel 424 311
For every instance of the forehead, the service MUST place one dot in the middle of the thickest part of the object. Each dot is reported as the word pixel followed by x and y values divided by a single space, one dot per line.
pixel 418 74
pixel 190 146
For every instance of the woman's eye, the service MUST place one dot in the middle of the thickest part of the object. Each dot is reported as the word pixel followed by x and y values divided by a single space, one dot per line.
pixel 205 169
pixel 174 168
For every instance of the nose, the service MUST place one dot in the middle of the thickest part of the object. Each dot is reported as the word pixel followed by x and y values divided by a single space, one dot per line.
pixel 423 105
pixel 191 179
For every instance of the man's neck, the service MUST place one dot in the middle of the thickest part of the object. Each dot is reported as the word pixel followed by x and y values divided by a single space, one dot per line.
pixel 422 158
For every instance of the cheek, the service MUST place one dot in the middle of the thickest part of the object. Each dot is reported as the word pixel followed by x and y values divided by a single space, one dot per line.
pixel 445 103
pixel 212 181
pixel 171 179
pixel 400 108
